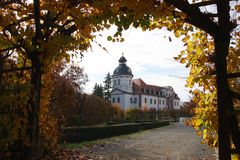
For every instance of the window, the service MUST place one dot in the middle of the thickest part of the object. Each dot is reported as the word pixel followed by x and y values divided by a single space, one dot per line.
pixel 147 91
pixel 118 100
pixel 145 100
pixel 163 102
pixel 131 100
pixel 155 101
pixel 129 81
pixel 160 101
pixel 152 92
pixel 161 94
pixel 118 81
pixel 135 100
pixel 114 82
pixel 150 101
pixel 113 100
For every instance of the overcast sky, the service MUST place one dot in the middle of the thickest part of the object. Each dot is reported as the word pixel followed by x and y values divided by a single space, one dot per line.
pixel 149 54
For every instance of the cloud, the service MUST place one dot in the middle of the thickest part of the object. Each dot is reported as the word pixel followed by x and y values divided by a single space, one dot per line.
pixel 149 54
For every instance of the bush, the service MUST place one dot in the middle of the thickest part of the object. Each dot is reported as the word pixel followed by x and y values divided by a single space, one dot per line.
pixel 118 112
pixel 79 134
pixel 92 110
pixel 134 114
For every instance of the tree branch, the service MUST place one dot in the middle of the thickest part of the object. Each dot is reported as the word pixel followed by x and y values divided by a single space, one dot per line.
pixel 204 3
pixel 233 75
pixel 4 4
pixel 18 22
pixel 7 55
pixel 195 17
pixel 10 48
pixel 235 151
pixel 37 21
pixel 16 69
pixel 235 95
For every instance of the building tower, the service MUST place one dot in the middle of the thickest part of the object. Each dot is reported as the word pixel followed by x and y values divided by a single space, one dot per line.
pixel 122 77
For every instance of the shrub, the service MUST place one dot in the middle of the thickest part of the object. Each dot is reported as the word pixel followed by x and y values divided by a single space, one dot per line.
pixel 79 134
pixel 134 114
pixel 118 112
pixel 94 110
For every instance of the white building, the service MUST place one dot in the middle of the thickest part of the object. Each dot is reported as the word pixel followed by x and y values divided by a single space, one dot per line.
pixel 130 92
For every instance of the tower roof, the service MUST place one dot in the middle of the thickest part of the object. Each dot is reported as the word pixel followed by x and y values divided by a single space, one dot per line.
pixel 122 68
pixel 122 60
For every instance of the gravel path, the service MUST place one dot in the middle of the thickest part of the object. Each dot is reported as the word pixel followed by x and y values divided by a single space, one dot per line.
pixel 174 142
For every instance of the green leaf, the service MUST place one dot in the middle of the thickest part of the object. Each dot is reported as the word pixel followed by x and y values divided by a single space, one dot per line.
pixel 109 38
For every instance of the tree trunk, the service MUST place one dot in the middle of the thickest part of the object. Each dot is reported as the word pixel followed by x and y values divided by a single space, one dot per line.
pixel 34 111
pixel 36 86
pixel 1 73
pixel 223 98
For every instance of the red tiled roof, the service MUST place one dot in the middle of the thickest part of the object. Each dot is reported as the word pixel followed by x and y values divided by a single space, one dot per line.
pixel 139 86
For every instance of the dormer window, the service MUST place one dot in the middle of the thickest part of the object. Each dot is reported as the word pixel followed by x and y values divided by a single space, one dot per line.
pixel 147 91
pixel 152 92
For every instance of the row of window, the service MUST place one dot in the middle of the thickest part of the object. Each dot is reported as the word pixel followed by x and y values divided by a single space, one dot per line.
pixel 118 100
pixel 175 103
pixel 133 100
pixel 160 93
pixel 151 101
pixel 118 82
pixel 154 101
pixel 153 92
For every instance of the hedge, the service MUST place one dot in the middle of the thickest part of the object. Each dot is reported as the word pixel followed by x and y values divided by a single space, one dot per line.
pixel 79 134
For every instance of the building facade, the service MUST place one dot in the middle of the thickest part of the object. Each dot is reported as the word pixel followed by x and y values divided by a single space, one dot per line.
pixel 135 93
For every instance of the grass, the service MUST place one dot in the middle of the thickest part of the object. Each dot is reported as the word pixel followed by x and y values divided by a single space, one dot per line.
pixel 73 146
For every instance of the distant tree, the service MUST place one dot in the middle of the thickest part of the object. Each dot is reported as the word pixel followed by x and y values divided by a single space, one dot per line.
pixel 76 75
pixel 107 87
pixel 98 90
pixel 187 109
pixel 66 88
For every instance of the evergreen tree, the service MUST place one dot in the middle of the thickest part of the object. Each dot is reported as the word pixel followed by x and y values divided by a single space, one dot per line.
pixel 107 87
pixel 98 90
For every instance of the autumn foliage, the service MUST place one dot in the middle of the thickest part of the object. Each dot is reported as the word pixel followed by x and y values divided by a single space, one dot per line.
pixel 93 110
pixel 34 36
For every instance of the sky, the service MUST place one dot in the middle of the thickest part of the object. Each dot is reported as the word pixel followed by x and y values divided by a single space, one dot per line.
pixel 149 54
